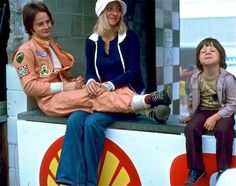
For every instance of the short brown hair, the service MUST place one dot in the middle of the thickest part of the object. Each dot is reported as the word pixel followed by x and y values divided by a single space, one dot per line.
pixel 30 10
pixel 217 45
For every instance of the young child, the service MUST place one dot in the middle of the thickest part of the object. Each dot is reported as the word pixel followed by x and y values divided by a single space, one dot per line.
pixel 212 106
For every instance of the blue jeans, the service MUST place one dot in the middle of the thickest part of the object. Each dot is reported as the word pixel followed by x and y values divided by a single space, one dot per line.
pixel 83 145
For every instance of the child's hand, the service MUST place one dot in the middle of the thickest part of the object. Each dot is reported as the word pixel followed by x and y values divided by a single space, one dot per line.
pixel 211 122
pixel 186 119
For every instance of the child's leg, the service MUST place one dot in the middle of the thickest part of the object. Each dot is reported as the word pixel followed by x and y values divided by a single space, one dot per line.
pixel 193 133
pixel 224 133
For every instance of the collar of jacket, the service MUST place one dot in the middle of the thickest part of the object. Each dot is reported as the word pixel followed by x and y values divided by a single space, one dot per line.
pixel 66 59
pixel 41 42
pixel 94 37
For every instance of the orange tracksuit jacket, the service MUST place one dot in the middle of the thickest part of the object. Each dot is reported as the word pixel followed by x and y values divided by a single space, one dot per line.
pixel 34 65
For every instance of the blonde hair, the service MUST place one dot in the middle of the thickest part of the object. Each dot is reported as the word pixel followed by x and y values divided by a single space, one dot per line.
pixel 102 26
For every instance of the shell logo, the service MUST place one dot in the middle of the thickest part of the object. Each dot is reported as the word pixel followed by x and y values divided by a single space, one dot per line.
pixel 49 163
pixel 179 170
pixel 115 167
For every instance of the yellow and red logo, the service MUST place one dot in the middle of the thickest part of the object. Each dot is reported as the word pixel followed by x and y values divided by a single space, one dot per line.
pixel 49 163
pixel 115 167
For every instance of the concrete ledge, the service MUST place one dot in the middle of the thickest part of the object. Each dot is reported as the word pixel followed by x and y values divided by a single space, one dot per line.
pixel 142 123
pixel 39 116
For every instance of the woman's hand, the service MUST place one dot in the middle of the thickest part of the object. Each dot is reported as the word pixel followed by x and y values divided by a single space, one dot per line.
pixel 186 119
pixel 102 89
pixel 95 89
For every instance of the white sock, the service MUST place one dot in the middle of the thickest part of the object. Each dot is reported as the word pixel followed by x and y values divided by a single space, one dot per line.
pixel 138 103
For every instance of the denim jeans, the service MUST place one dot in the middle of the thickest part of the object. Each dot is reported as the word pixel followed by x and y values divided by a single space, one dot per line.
pixel 83 145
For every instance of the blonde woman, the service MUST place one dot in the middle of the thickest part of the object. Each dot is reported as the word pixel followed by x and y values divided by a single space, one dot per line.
pixel 113 68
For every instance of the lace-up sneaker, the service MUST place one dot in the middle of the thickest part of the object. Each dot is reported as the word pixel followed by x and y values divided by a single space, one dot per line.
pixel 160 113
pixel 160 98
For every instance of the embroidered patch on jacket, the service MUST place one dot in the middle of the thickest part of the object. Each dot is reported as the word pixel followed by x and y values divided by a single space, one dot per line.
pixel 44 71
pixel 20 57
pixel 41 53
pixel 23 71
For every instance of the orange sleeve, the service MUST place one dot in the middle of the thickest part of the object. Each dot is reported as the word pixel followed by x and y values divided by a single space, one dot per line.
pixel 25 64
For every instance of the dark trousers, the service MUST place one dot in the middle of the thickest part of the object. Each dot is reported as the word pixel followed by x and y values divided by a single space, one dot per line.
pixel 224 134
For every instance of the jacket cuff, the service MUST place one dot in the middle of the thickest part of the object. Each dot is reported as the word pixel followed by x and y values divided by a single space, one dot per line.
pixel 56 87
pixel 90 81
